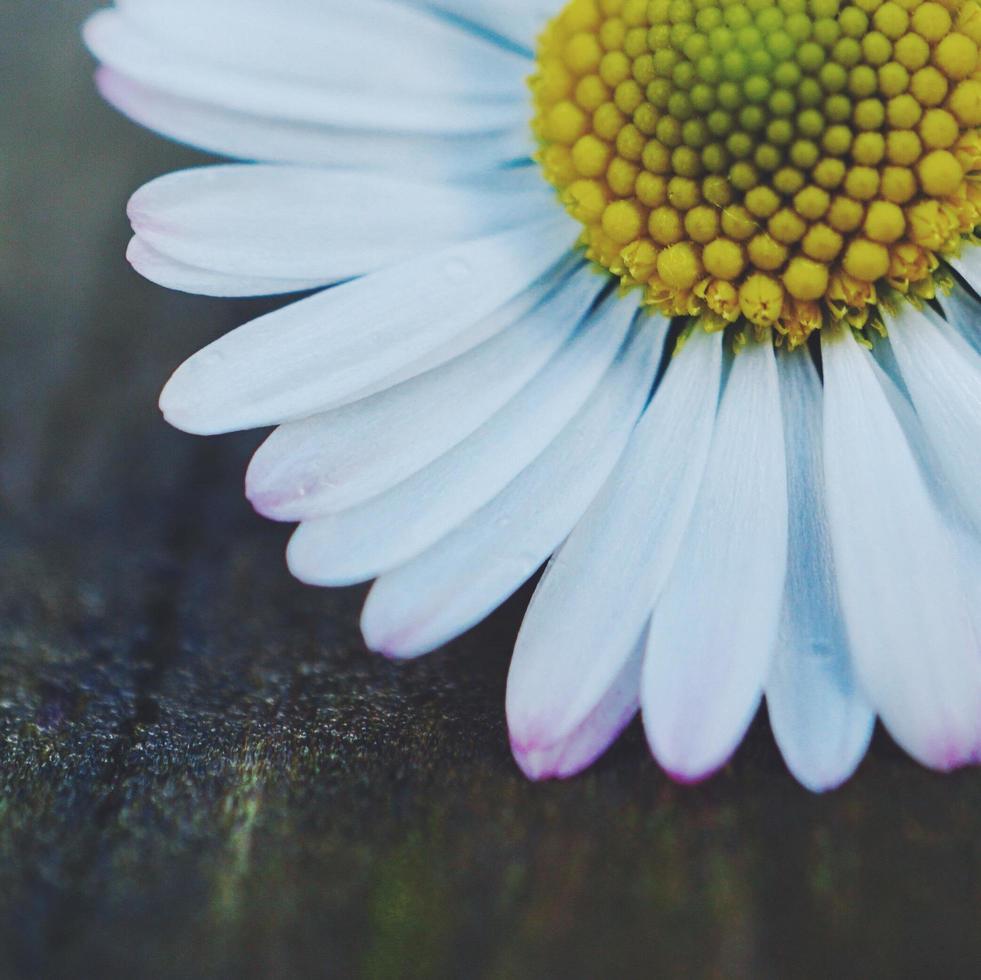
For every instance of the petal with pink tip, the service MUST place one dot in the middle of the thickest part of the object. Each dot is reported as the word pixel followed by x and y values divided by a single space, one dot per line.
pixel 596 595
pixel 914 644
pixel 467 574
pixel 714 627
pixel 581 747
pixel 360 543
pixel 340 459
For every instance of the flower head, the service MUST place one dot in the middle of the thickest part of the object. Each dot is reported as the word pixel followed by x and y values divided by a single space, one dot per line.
pixel 799 152
pixel 740 420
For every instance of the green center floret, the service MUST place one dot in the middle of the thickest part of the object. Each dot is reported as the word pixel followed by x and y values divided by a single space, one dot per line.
pixel 768 79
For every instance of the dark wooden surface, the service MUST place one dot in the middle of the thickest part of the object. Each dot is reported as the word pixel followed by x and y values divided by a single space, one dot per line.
pixel 202 771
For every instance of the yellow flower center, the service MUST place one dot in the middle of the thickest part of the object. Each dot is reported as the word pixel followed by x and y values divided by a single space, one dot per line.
pixel 783 162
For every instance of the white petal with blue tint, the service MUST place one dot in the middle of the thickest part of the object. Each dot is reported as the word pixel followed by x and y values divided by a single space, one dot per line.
pixel 165 271
pixel 820 719
pixel 714 627
pixel 517 21
pixel 595 597
pixel 373 45
pixel 963 312
pixel 330 462
pixel 467 574
pixel 164 64
pixel 298 360
pixel 303 223
pixel 913 642
pixel 945 387
pixel 248 136
pixel 968 264
pixel 358 544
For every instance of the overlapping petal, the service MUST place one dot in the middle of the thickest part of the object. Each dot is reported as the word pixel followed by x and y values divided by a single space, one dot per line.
pixel 905 605
pixel 357 544
pixel 596 595
pixel 325 349
pixel 321 225
pixel 330 462
pixel 467 574
pixel 820 719
pixel 714 627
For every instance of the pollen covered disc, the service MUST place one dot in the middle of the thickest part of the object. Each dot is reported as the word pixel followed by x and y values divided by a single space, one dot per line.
pixel 784 162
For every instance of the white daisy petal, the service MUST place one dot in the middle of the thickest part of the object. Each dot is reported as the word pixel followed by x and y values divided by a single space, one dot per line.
pixel 944 384
pixel 820 719
pixel 467 574
pixel 358 544
pixel 472 336
pixel 322 225
pixel 374 45
pixel 963 312
pixel 307 356
pixel 968 264
pixel 596 594
pixel 193 53
pixel 519 21
pixel 713 630
pixel 251 137
pixel 913 643
pixel 165 271
pixel 581 747
pixel 330 462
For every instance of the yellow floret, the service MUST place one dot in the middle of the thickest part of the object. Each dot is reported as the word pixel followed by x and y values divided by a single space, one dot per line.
pixel 912 52
pixel 866 261
pixel 583 53
pixel 702 223
pixel 762 202
pixel 928 86
pixel 884 221
pixel 765 252
pixel 812 202
pixel 665 225
pixel 903 112
pixel 940 173
pixel 786 226
pixel 723 258
pixel 678 266
pixel 591 156
pixel 845 214
pixel 806 279
pixel 938 129
pixel 587 200
pixel 761 299
pixel 965 103
pixel 738 223
pixel 822 243
pixel 862 183
pixel 651 189
pixel 897 184
pixel 931 21
pixel 623 221
pixel 956 56
pixel 903 147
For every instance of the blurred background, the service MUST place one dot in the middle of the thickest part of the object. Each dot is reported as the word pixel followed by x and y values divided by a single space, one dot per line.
pixel 202 771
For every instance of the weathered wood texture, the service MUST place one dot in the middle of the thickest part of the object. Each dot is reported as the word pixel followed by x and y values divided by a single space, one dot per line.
pixel 203 773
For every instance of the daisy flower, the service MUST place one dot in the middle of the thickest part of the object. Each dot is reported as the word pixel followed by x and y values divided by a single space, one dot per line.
pixel 694 320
